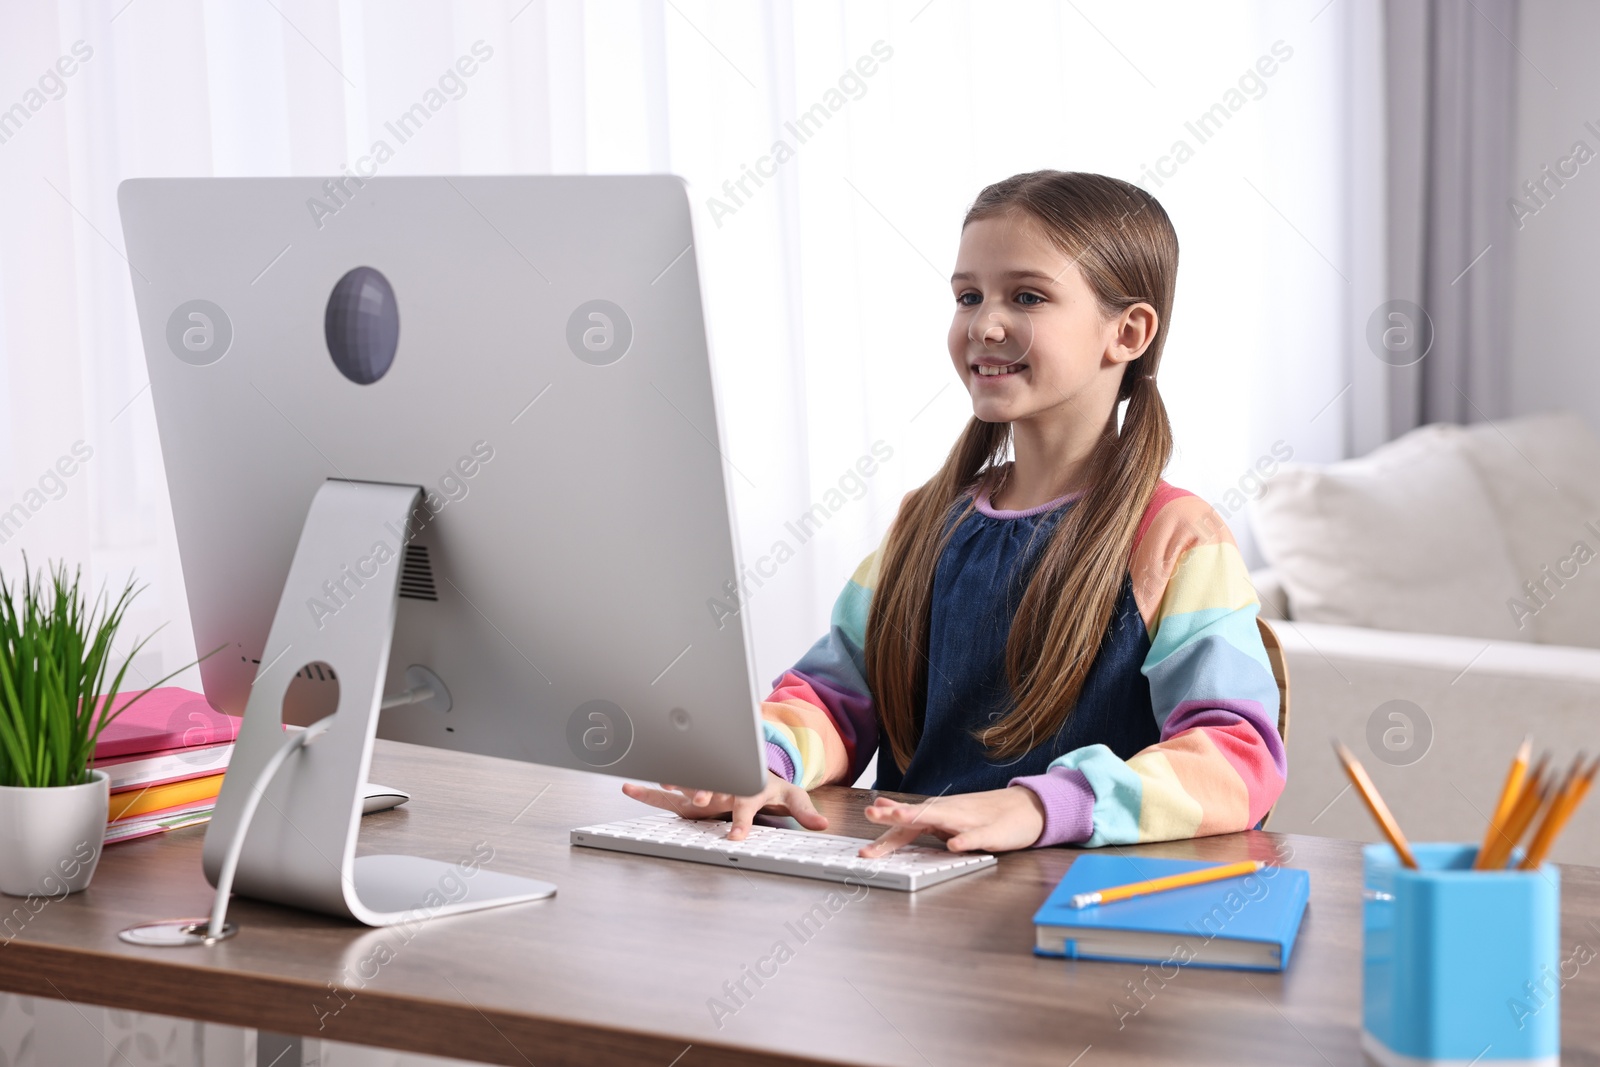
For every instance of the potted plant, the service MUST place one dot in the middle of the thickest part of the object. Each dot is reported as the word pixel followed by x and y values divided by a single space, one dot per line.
pixel 55 653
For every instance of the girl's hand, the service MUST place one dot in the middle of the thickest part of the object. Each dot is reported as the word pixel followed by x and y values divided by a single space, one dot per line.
pixel 998 820
pixel 783 796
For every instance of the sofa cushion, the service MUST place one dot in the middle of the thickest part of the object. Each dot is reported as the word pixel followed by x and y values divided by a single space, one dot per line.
pixel 1405 538
pixel 1270 592
pixel 1542 474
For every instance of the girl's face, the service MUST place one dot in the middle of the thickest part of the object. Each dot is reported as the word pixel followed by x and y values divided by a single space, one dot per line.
pixel 1023 309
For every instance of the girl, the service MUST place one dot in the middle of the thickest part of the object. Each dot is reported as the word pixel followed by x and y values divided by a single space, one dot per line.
pixel 1061 648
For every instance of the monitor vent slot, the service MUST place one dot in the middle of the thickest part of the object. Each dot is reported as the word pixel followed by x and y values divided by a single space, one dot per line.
pixel 416 575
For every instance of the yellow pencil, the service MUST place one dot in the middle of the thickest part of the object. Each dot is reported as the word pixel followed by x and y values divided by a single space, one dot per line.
pixel 1171 881
pixel 1375 804
pixel 1552 812
pixel 1571 795
pixel 1531 803
pixel 1508 833
pixel 1509 794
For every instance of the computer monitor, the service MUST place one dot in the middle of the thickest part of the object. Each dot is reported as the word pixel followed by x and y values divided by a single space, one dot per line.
pixel 449 444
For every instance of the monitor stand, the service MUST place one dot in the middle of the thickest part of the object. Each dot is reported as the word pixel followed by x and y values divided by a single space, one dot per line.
pixel 290 805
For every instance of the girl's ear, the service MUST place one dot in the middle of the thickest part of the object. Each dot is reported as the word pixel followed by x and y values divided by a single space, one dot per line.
pixel 1134 329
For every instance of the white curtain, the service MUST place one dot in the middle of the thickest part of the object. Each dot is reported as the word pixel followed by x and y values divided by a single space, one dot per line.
pixel 825 257
pixel 1452 73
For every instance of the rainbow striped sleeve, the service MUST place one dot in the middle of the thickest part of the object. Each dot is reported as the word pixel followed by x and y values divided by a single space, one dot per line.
pixel 1219 764
pixel 819 721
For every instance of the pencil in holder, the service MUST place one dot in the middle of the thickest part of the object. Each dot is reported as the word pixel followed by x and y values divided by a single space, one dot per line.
pixel 1459 965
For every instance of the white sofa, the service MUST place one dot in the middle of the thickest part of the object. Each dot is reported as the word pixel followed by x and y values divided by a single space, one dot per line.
pixel 1437 599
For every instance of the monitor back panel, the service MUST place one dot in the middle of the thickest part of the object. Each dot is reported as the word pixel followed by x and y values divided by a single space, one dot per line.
pixel 551 392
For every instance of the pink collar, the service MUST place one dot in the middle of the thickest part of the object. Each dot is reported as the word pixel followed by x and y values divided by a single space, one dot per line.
pixel 983 505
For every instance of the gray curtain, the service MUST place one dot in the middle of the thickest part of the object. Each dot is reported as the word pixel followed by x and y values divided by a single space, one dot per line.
pixel 1450 71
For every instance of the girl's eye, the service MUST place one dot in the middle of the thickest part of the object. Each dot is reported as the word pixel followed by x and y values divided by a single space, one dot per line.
pixel 964 302
pixel 1030 299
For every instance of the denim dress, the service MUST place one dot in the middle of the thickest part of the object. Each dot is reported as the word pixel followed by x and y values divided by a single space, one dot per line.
pixel 977 585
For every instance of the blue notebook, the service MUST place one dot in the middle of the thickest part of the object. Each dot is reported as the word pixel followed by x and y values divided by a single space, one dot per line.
pixel 1246 923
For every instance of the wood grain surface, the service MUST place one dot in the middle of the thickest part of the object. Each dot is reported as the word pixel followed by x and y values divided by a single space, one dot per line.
pixel 626 963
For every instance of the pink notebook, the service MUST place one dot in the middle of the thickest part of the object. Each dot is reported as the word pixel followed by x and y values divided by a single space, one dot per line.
pixel 168 719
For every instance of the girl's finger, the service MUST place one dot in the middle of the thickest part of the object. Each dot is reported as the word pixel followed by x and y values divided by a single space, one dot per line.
pixel 889 841
pixel 744 814
pixel 882 809
pixel 886 813
pixel 658 798
pixel 706 801
pixel 806 813
pixel 971 841
pixel 698 798
pixel 930 817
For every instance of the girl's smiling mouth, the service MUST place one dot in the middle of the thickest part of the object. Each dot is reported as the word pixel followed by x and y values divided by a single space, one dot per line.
pixel 988 367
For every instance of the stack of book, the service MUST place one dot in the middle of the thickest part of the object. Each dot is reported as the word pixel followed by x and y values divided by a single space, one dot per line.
pixel 165 756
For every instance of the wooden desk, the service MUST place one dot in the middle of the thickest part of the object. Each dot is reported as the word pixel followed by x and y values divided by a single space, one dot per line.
pixel 619 966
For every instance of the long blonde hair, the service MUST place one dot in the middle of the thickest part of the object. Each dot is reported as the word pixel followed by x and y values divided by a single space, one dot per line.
pixel 1127 251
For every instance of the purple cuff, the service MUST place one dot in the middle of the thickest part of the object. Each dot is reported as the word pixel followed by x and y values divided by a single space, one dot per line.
pixel 778 762
pixel 1068 805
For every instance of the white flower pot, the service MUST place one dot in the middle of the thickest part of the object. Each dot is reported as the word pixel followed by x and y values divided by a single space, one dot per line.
pixel 50 838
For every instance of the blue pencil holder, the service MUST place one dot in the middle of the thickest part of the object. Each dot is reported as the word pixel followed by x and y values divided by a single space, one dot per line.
pixel 1459 965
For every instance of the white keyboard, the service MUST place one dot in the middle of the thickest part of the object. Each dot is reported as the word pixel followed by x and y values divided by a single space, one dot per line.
pixel 779 851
